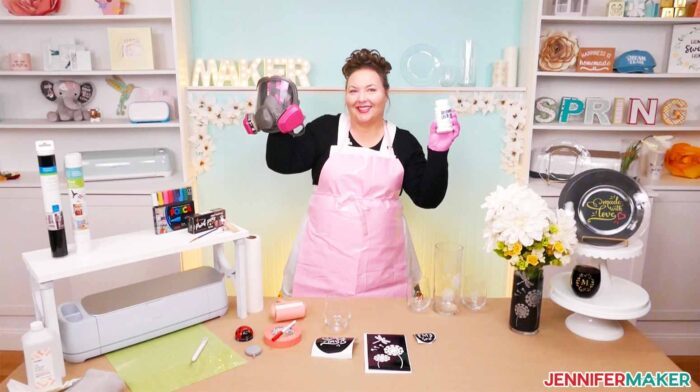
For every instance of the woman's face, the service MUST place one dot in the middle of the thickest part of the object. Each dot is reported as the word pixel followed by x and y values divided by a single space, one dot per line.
pixel 365 96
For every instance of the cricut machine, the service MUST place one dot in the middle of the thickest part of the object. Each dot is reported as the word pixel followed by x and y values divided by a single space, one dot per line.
pixel 113 319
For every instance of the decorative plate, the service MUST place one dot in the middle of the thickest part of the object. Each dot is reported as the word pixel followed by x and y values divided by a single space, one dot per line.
pixel 609 206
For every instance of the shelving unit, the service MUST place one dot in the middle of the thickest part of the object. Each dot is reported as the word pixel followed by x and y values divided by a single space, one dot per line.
pixel 106 123
pixel 115 206
pixel 615 75
pixel 605 20
pixel 83 18
pixel 690 126
pixel 103 72
pixel 676 201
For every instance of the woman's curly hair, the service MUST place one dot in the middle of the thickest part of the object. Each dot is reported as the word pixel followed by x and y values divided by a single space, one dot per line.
pixel 366 58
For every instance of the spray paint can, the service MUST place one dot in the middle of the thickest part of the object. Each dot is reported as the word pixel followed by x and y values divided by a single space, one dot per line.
pixel 76 194
pixel 48 176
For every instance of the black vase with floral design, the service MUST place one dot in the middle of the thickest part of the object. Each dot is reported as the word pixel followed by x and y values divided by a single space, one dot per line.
pixel 526 301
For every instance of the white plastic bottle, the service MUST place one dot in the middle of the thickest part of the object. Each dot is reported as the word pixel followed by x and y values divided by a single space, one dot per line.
pixel 76 194
pixel 443 115
pixel 43 358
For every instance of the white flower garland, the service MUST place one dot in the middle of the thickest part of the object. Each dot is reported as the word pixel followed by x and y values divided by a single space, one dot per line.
pixel 513 112
pixel 203 111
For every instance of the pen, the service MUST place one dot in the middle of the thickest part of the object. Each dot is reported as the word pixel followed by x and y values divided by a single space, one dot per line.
pixel 284 330
pixel 200 349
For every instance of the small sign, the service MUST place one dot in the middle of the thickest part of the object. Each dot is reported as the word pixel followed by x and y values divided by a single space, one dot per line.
pixel 595 60
pixel 685 49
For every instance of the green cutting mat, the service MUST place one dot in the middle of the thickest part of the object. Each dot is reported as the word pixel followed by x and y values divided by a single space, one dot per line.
pixel 164 363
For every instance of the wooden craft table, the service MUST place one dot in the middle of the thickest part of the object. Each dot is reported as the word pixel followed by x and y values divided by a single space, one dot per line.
pixel 474 351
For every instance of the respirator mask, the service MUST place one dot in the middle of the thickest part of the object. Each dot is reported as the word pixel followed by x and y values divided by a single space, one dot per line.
pixel 277 108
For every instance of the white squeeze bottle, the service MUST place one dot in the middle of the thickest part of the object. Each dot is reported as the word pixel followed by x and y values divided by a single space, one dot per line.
pixel 443 115
pixel 42 358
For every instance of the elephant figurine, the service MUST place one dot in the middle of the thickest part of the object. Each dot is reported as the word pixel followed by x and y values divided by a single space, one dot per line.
pixel 70 96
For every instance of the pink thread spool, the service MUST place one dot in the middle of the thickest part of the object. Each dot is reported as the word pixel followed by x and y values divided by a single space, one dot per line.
pixel 20 62
pixel 283 311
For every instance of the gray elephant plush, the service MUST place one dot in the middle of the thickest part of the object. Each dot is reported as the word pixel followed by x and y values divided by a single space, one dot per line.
pixel 70 96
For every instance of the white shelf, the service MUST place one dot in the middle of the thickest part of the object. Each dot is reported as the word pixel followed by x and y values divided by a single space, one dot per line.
pixel 672 183
pixel 666 183
pixel 391 90
pixel 622 300
pixel 100 72
pixel 138 186
pixel 616 20
pixel 659 127
pixel 83 18
pixel 120 250
pixel 616 75
pixel 106 123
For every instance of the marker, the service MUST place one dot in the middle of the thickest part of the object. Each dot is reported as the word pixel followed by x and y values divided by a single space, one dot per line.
pixel 160 198
pixel 283 331
pixel 196 354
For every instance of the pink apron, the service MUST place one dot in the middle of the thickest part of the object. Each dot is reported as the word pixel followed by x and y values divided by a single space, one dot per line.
pixel 353 241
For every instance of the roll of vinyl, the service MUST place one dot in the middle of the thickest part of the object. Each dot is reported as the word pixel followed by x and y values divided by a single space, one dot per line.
pixel 498 74
pixel 254 286
pixel 510 55
pixel 283 311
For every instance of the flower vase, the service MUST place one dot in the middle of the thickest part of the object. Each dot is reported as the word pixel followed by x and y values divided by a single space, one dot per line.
pixel 526 301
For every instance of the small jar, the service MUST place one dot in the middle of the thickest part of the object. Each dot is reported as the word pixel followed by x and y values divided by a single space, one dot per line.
pixel 443 115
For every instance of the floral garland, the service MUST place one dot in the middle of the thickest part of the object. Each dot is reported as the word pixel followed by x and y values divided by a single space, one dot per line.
pixel 513 112
pixel 203 111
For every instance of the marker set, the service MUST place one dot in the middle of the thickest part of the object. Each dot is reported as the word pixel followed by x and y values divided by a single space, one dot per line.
pixel 171 209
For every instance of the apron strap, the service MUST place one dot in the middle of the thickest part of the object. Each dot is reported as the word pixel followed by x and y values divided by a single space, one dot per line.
pixel 344 134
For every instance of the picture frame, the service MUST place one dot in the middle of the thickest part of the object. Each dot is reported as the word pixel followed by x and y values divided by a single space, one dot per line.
pixel 684 55
pixel 130 49
pixel 598 60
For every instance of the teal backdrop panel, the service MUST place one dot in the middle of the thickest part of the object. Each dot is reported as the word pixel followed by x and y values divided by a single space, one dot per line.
pixel 272 205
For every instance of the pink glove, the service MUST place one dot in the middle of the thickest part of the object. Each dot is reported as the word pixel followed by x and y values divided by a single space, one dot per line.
pixel 441 142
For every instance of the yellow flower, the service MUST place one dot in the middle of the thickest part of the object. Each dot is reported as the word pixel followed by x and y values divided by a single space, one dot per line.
pixel 517 248
pixel 559 247
pixel 549 251
pixel 532 259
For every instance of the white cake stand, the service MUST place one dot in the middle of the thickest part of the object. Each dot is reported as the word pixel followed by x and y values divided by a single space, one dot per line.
pixel 596 318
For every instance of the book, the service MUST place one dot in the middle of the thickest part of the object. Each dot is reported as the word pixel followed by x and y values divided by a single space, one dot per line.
pixel 385 353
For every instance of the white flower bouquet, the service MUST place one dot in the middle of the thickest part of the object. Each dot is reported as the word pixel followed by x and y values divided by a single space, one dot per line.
pixel 524 231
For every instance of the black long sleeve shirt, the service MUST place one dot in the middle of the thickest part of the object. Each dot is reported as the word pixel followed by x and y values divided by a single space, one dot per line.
pixel 424 180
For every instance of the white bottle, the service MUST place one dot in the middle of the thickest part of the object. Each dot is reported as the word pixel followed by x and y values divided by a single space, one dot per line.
pixel 443 115
pixel 43 358
pixel 76 194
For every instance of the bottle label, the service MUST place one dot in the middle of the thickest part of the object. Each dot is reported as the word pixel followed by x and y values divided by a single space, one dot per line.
pixel 54 221
pixel 41 362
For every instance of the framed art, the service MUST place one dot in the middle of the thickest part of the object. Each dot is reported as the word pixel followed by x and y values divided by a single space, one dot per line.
pixel 130 49
pixel 684 56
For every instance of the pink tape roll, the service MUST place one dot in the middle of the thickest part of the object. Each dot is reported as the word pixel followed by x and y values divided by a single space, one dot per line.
pixel 283 311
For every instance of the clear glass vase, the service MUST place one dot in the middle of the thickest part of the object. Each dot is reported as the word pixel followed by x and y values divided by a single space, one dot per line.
pixel 447 277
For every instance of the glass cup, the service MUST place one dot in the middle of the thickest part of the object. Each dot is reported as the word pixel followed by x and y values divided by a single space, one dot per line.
pixel 337 314
pixel 474 292
pixel 447 277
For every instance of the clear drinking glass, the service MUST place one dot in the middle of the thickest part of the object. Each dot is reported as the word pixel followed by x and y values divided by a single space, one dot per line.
pixel 419 295
pixel 337 314
pixel 447 277
pixel 474 292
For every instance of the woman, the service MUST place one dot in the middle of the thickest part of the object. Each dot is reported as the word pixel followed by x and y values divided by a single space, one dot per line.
pixel 354 239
